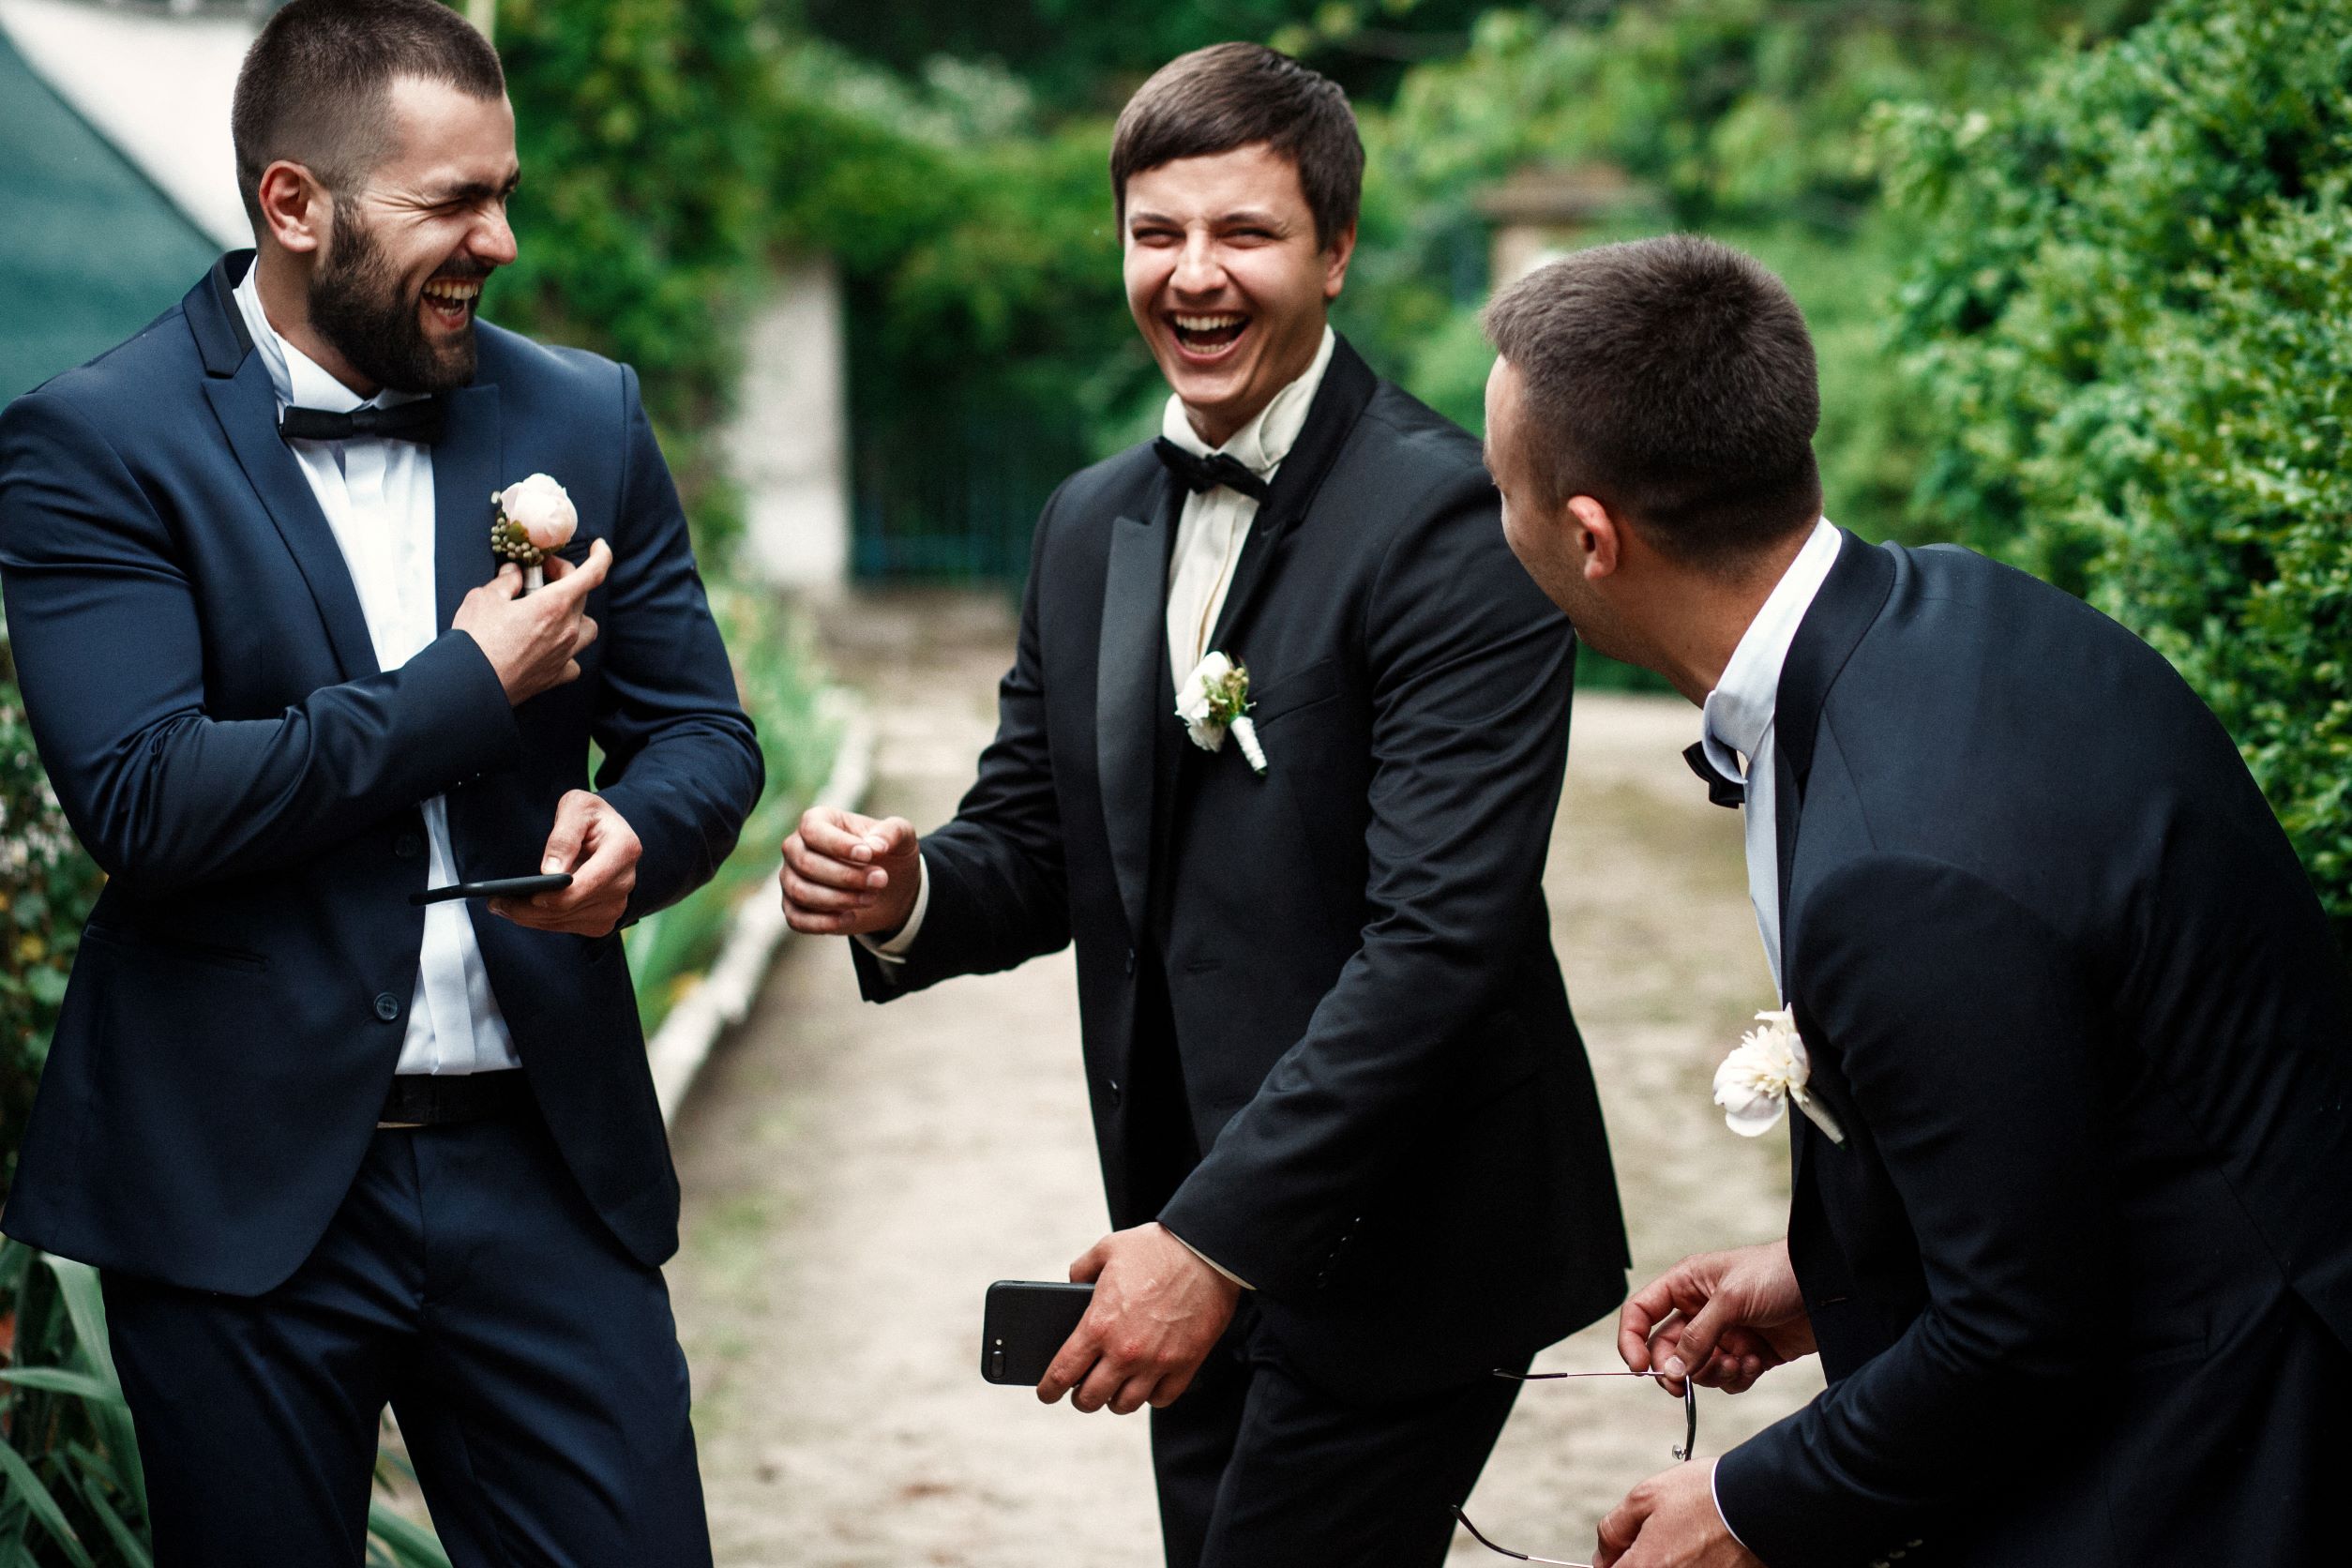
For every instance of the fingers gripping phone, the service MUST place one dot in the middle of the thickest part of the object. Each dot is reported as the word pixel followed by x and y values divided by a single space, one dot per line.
pixel 1025 1325
pixel 502 887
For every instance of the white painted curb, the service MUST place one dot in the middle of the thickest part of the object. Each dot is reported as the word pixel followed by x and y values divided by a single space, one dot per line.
pixel 683 1042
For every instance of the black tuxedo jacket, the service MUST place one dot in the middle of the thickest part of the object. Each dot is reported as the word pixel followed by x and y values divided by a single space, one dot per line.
pixel 200 679
pixel 1325 1036
pixel 2081 1272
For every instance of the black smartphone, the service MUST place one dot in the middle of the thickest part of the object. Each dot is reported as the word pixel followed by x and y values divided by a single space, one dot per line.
pixel 501 887
pixel 1025 1325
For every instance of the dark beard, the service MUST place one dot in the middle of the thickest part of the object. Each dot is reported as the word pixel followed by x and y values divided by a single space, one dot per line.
pixel 360 304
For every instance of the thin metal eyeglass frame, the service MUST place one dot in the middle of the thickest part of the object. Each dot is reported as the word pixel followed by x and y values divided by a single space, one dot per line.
pixel 1690 1446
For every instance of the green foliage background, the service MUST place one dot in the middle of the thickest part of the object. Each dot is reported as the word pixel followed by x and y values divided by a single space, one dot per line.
pixel 2132 324
pixel 47 886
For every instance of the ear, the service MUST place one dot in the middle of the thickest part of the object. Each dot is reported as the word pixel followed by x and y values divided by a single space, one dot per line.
pixel 297 210
pixel 1599 534
pixel 1336 256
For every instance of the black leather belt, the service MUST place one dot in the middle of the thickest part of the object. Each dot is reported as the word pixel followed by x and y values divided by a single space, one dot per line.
pixel 431 1100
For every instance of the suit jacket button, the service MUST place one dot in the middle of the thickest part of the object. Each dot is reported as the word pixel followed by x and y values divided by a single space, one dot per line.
pixel 1112 1084
pixel 388 1006
pixel 408 846
pixel 1130 963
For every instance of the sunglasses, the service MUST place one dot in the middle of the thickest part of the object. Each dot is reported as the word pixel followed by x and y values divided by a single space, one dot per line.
pixel 1689 1447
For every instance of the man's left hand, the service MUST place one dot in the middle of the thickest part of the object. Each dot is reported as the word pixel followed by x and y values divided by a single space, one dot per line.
pixel 1157 1312
pixel 1671 1521
pixel 596 845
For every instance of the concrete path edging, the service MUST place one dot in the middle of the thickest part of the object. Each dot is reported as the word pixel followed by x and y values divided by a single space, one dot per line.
pixel 682 1042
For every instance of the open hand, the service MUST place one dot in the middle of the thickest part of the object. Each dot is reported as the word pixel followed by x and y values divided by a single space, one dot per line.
pixel 596 845
pixel 1723 1318
pixel 1157 1312
pixel 848 875
pixel 1671 1521
pixel 534 639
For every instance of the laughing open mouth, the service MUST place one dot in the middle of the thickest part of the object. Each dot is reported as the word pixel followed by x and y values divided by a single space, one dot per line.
pixel 451 301
pixel 1207 335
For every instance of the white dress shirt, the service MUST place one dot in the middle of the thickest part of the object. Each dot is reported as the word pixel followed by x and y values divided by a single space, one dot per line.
pixel 378 497
pixel 1736 727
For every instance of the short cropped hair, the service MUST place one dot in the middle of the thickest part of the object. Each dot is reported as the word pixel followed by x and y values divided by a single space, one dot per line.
pixel 1672 380
pixel 315 88
pixel 1236 95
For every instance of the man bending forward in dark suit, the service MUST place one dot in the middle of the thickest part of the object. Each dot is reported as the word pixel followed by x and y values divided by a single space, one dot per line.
pixel 331 1150
pixel 2068 1229
pixel 1346 1129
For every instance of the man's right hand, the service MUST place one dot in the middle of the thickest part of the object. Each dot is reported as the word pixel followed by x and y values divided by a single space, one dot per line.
pixel 1723 1318
pixel 848 875
pixel 534 639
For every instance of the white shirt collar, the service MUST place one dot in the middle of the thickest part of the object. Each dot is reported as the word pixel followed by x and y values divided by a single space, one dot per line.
pixel 1739 712
pixel 298 379
pixel 1267 439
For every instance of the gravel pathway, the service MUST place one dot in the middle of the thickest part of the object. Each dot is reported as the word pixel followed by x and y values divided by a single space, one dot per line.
pixel 855 1176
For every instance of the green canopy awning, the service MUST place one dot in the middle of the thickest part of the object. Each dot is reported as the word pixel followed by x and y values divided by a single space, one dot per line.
pixel 90 251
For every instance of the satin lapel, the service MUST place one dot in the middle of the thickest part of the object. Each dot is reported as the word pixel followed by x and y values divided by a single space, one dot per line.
pixel 1849 601
pixel 247 411
pixel 1347 386
pixel 213 318
pixel 1787 812
pixel 1848 604
pixel 465 472
pixel 1127 698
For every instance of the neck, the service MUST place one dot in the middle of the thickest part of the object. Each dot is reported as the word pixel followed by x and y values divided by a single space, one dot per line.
pixel 1697 619
pixel 1217 425
pixel 284 286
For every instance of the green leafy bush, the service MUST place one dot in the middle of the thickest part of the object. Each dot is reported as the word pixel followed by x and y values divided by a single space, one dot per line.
pixel 71 1489
pixel 640 222
pixel 1747 119
pixel 2133 321
pixel 47 886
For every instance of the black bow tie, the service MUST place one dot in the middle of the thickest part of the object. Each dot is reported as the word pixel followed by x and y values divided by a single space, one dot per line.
pixel 1207 474
pixel 1722 788
pixel 417 420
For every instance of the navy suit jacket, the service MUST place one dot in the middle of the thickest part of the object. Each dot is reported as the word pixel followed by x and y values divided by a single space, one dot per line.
pixel 199 678
pixel 2081 1272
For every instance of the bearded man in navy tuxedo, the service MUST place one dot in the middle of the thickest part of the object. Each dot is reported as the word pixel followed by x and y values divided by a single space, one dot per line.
pixel 331 1150
pixel 2069 1114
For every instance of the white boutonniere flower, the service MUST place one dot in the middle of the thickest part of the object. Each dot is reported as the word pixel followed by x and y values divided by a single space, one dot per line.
pixel 1767 1070
pixel 1215 702
pixel 530 520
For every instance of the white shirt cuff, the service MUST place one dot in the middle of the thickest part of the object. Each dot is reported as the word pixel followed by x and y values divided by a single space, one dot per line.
pixel 896 949
pixel 1213 1262
pixel 1719 1512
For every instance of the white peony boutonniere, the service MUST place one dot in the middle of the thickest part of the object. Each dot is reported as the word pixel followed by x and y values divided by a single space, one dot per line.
pixel 1215 702
pixel 1764 1072
pixel 532 520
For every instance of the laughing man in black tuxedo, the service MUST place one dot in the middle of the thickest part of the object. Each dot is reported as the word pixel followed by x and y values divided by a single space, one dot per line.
pixel 1326 1042
pixel 2076 1259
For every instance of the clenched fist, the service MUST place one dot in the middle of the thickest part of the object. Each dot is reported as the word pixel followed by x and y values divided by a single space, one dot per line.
pixel 848 875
